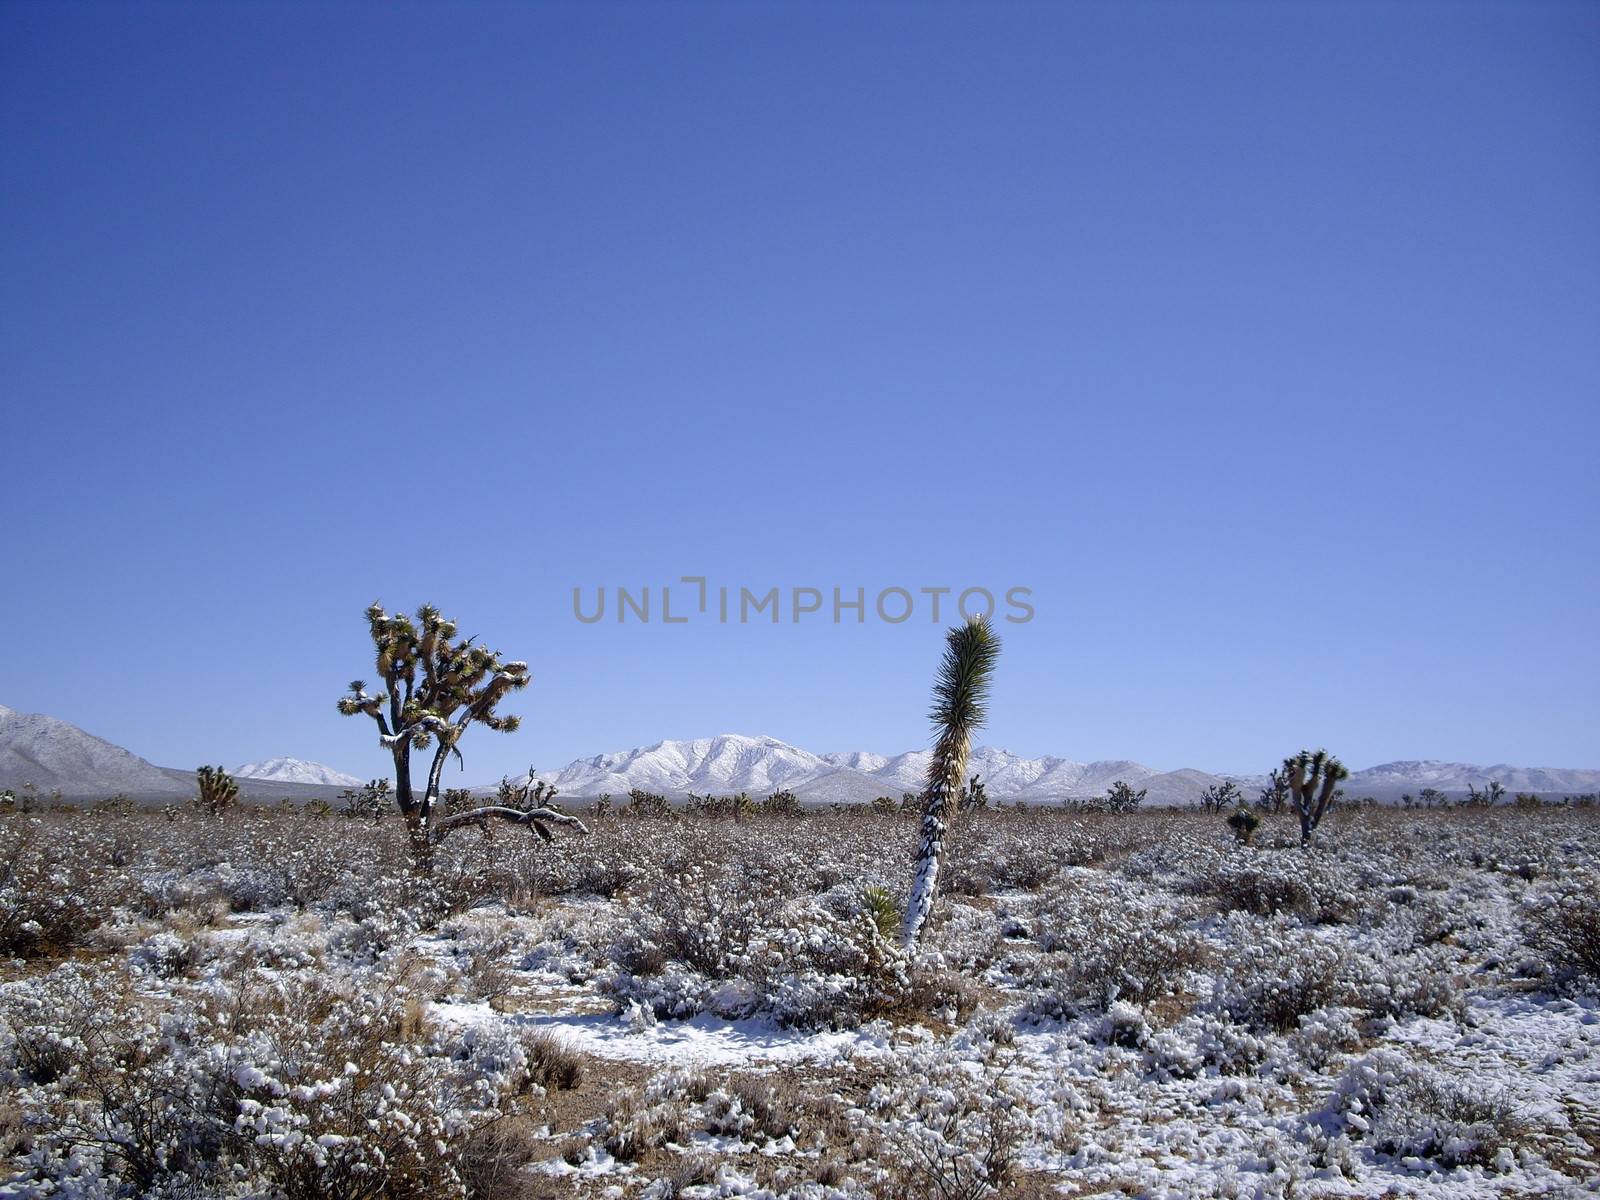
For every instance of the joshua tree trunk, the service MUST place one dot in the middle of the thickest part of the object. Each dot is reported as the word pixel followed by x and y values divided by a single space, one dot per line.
pixel 959 697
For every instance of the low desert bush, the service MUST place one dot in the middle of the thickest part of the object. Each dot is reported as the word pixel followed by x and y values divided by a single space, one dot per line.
pixel 634 1125
pixel 1108 940
pixel 947 1132
pixel 1401 1108
pixel 52 891
pixel 1316 887
pixel 736 940
pixel 1275 972
pixel 1566 928
pixel 296 1085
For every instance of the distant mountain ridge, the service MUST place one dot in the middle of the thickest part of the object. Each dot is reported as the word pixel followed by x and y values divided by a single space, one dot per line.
pixel 294 770
pixel 758 765
pixel 53 755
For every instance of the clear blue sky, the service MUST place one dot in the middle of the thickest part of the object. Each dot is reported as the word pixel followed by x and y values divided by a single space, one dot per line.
pixel 1260 341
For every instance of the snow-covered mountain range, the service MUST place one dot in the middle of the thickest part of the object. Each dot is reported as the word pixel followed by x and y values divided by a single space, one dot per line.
pixel 758 765
pixel 294 770
pixel 735 762
pixel 51 754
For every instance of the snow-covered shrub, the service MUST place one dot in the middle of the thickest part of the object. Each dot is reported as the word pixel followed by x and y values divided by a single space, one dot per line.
pixel 1317 887
pixel 1029 863
pixel 305 1088
pixel 732 940
pixel 162 892
pixel 165 954
pixel 949 1130
pixel 52 892
pixel 966 936
pixel 1181 854
pixel 1107 940
pixel 1566 927
pixel 1404 1109
pixel 1200 1043
pixel 754 1109
pixel 1326 1034
pixel 1275 972
pixel 634 1125
pixel 1419 985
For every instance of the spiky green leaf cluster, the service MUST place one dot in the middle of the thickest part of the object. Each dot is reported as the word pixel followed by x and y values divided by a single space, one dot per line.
pixel 961 688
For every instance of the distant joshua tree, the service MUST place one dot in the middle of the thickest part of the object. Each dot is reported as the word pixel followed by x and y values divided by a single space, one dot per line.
pixel 974 797
pixel 370 801
pixel 782 803
pixel 1121 798
pixel 1275 796
pixel 218 791
pixel 649 804
pixel 1220 796
pixel 1305 772
pixel 1493 793
pixel 960 698
pixel 436 687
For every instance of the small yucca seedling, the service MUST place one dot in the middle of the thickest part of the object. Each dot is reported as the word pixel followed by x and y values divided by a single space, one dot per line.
pixel 960 706
pixel 883 910
pixel 1243 822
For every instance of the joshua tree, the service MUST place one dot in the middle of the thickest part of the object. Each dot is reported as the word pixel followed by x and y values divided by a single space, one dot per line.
pixel 1493 794
pixel 782 803
pixel 649 804
pixel 1305 771
pixel 974 797
pixel 960 697
pixel 436 687
pixel 370 801
pixel 1276 794
pixel 1219 796
pixel 1121 798
pixel 218 791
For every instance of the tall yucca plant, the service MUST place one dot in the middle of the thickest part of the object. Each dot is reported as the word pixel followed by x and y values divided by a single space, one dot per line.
pixel 960 703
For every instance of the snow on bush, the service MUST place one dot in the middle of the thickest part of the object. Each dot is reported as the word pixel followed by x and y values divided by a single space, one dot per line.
pixel 1106 941
pixel 300 1086
pixel 265 1005
pixel 1409 1111
pixel 736 942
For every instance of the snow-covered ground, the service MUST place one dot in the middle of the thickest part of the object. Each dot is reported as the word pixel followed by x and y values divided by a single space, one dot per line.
pixel 270 1005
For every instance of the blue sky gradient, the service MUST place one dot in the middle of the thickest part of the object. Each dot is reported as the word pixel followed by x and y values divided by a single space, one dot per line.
pixel 1260 341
